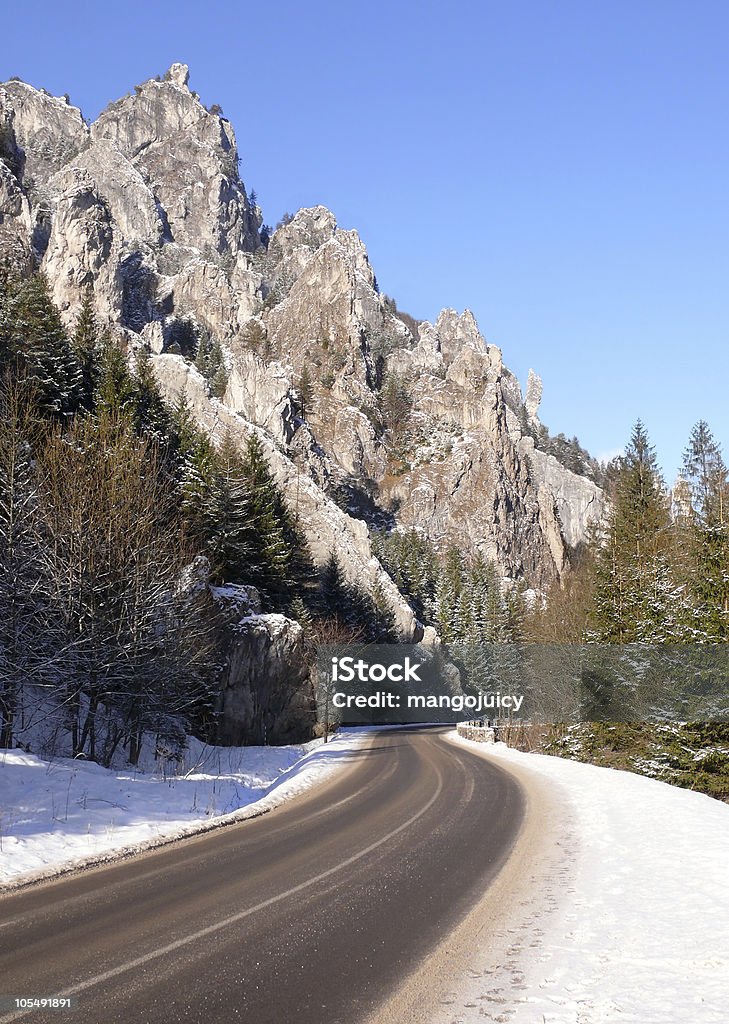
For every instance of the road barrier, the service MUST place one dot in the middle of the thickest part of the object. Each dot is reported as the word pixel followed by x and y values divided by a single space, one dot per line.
pixel 478 731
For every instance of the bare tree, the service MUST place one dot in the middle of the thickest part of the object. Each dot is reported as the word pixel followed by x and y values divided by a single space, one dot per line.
pixel 114 557
pixel 325 636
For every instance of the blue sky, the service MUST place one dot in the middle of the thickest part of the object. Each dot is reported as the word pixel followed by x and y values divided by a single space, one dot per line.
pixel 560 168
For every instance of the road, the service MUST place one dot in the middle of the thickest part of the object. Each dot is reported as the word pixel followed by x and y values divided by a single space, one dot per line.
pixel 315 912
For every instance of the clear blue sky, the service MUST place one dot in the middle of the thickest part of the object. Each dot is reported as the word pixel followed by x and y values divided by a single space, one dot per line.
pixel 561 168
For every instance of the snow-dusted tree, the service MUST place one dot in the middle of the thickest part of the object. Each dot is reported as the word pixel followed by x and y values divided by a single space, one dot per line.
pixel 637 597
pixel 412 562
pixel 113 558
pixel 152 415
pixel 87 346
pixel 21 578
pixel 227 519
pixel 706 474
pixel 282 562
pixel 210 361
pixel 37 346
pixel 115 391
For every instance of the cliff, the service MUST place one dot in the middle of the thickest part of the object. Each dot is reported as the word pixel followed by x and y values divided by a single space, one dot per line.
pixel 404 424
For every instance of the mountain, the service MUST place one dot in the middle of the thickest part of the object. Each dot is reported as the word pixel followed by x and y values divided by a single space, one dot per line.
pixel 368 418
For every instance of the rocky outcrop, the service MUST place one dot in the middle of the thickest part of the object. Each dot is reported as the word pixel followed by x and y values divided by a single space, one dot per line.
pixel 267 695
pixel 190 157
pixel 47 131
pixel 419 425
pixel 579 503
pixel 326 527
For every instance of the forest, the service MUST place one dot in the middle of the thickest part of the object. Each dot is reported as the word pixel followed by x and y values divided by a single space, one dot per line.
pixel 108 494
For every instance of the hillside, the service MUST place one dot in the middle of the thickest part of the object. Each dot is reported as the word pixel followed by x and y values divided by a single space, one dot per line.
pixel 400 423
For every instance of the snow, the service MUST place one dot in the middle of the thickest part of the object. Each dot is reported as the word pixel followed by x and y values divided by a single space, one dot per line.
pixel 629 921
pixel 61 814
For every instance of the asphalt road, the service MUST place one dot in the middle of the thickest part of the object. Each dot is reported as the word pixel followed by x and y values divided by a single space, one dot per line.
pixel 311 914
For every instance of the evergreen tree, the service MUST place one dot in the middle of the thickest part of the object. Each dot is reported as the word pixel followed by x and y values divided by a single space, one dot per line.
pixel 277 538
pixel 210 362
pixel 152 417
pixel 708 532
pixel 115 390
pixel 636 595
pixel 360 615
pixel 333 589
pixel 412 563
pixel 38 348
pixel 448 606
pixel 226 515
pixel 21 578
pixel 87 346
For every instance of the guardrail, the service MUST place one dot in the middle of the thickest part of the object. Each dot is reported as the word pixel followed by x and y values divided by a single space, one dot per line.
pixel 478 731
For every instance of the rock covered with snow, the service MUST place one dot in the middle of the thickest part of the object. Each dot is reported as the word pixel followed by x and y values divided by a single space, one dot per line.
pixel 267 694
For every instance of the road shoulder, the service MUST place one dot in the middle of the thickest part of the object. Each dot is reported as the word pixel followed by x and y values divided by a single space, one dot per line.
pixel 482 945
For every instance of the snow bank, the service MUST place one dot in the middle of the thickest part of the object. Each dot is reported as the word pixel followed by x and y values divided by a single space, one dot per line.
pixel 61 814
pixel 629 922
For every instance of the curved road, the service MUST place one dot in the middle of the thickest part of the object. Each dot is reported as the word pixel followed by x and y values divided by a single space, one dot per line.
pixel 313 913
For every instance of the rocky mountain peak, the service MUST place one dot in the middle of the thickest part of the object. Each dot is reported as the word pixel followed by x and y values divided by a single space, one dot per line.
pixel 179 75
pixel 407 424
pixel 40 132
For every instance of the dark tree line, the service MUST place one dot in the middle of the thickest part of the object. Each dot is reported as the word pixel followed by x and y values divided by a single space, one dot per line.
pixel 107 494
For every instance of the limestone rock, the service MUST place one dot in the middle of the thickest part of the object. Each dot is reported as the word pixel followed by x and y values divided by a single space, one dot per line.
pixel 267 694
pixel 80 244
pixel 326 528
pixel 15 219
pixel 147 208
pixel 190 158
pixel 47 131
pixel 533 395
pixel 580 504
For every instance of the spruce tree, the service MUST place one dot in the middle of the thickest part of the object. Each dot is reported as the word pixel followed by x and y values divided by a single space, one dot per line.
pixel 275 531
pixel 39 349
pixel 151 414
pixel 115 389
pixel 21 578
pixel 87 346
pixel 635 592
pixel 706 474
pixel 226 520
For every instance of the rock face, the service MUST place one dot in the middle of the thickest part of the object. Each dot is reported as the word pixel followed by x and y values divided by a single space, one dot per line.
pixel 267 695
pixel 416 425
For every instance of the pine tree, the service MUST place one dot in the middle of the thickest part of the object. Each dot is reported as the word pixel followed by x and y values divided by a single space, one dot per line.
pixel 151 415
pixel 87 346
pixel 275 532
pixel 635 589
pixel 21 578
pixel 39 349
pixel 708 531
pixel 115 390
pixel 227 522
pixel 210 361
pixel 449 585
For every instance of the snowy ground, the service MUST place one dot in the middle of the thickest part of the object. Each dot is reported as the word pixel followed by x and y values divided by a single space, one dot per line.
pixel 629 919
pixel 63 813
